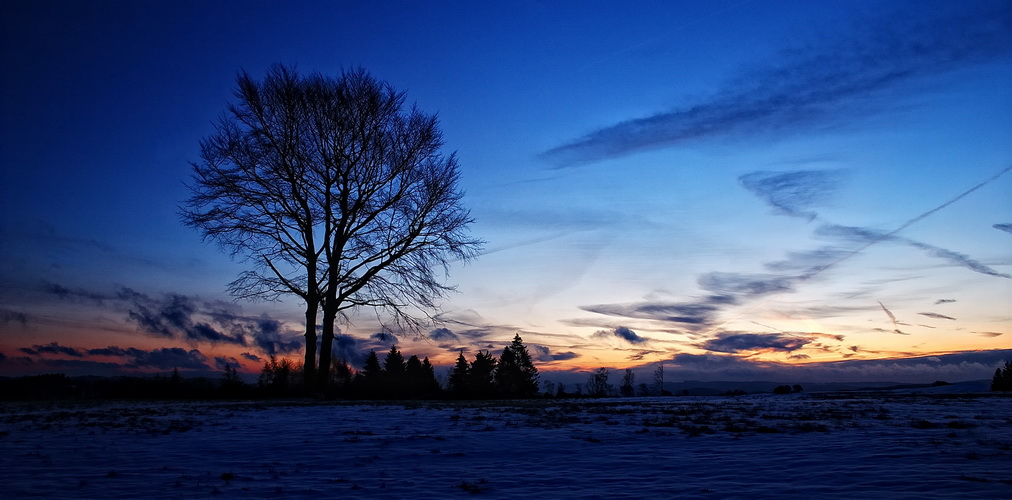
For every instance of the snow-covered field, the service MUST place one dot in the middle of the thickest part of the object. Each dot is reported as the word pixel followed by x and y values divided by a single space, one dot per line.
pixel 809 446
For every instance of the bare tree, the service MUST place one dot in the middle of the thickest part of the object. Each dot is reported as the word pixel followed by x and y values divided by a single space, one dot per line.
pixel 597 383
pixel 336 194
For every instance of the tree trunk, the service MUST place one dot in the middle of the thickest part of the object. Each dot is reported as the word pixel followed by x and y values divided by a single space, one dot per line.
pixel 309 365
pixel 326 344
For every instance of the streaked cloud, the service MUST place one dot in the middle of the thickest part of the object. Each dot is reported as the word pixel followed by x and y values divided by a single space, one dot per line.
pixel 937 316
pixel 9 316
pixel 793 193
pixel 735 342
pixel 817 85
pixel 869 236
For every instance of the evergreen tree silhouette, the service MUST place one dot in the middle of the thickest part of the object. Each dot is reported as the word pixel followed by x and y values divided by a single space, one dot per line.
pixel 430 384
pixel 480 381
pixel 516 376
pixel 459 377
pixel 396 372
pixel 1002 380
pixel 372 376
pixel 414 379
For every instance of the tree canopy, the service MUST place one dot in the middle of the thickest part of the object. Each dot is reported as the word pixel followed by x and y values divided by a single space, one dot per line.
pixel 332 191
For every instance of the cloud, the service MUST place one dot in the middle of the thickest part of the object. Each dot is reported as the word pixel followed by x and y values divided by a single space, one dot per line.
pixel 892 318
pixel 952 367
pixel 820 85
pixel 807 262
pixel 79 294
pixel 937 316
pixel 1003 227
pixel 52 348
pixel 250 356
pixel 444 336
pixel 177 316
pixel 169 357
pixel 8 316
pixel 749 285
pixel 944 301
pixel 221 362
pixel 267 335
pixel 734 342
pixel 544 354
pixel 691 314
pixel 346 347
pixel 793 193
pixel 870 236
pixel 162 358
pixel 384 337
pixel 622 333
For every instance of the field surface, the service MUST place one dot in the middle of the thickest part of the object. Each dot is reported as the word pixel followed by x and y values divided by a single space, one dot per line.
pixel 760 446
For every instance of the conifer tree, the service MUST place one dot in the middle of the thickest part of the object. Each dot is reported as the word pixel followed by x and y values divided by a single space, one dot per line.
pixel 396 374
pixel 1002 380
pixel 459 376
pixel 414 377
pixel 372 375
pixel 430 384
pixel 480 381
pixel 516 375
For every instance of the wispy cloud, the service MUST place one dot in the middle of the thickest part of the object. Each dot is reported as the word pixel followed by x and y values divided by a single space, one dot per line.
pixel 819 85
pixel 937 316
pixel 870 236
pixel 1003 227
pixel 164 358
pixel 9 316
pixel 735 342
pixel 52 348
pixel 892 318
pixel 953 367
pixel 544 354
pixel 793 193
pixel 622 333
pixel 686 314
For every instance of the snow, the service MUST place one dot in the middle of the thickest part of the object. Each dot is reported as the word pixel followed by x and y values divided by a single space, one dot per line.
pixel 762 446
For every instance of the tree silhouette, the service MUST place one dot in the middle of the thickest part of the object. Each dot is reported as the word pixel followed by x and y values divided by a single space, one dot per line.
pixel 459 376
pixel 372 375
pixel 628 381
pixel 516 376
pixel 335 193
pixel 480 376
pixel 1002 380
pixel 429 383
pixel 597 383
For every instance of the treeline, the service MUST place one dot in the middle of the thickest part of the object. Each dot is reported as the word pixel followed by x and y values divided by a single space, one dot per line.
pixel 54 386
pixel 511 375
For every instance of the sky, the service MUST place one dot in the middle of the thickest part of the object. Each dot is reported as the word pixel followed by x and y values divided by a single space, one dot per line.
pixel 736 189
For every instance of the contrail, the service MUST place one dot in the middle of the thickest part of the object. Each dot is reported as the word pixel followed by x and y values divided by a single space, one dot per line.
pixel 820 269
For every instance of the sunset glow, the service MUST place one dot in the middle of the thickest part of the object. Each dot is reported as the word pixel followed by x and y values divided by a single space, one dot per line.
pixel 736 190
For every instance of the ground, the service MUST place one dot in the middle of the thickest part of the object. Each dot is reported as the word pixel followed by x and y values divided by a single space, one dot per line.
pixel 843 445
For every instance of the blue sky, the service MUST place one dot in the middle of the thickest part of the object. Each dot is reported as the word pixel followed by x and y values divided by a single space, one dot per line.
pixel 775 185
